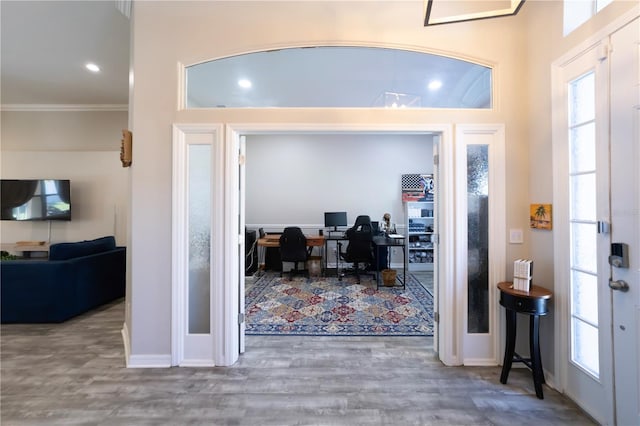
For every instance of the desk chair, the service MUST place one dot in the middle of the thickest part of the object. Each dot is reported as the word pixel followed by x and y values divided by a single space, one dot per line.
pixel 293 248
pixel 360 248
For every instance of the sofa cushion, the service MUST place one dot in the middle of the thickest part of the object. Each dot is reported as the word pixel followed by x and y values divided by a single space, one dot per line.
pixel 64 251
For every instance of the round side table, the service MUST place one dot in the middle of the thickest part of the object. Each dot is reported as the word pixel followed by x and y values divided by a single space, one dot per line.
pixel 533 303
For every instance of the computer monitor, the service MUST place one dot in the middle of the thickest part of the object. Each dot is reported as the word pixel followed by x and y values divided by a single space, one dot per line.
pixel 335 219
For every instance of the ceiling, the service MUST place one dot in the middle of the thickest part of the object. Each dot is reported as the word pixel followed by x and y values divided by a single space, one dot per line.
pixel 46 44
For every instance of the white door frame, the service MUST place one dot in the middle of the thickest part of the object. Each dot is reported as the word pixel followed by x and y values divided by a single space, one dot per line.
pixel 213 348
pixel 481 348
pixel 596 45
pixel 225 336
pixel 450 302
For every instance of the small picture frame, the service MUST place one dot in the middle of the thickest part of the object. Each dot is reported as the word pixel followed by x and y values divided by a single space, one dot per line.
pixel 540 216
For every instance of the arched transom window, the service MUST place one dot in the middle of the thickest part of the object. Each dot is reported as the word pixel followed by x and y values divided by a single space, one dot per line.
pixel 338 77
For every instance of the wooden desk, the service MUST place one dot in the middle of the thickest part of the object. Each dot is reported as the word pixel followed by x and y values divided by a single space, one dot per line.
pixel 534 304
pixel 273 240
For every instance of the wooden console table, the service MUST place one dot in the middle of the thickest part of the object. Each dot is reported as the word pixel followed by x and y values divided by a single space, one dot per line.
pixel 534 304
pixel 25 247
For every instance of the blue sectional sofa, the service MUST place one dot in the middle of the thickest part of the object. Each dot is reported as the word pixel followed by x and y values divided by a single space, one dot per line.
pixel 76 278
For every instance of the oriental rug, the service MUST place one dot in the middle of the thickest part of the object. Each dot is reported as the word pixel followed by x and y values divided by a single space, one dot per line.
pixel 325 306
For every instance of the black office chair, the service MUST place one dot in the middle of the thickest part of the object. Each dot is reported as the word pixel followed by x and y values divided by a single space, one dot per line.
pixel 360 248
pixel 293 248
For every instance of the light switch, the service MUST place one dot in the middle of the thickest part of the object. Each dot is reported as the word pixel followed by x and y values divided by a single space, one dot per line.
pixel 515 236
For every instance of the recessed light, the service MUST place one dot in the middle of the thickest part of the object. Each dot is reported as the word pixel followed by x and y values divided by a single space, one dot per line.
pixel 92 67
pixel 244 83
pixel 434 84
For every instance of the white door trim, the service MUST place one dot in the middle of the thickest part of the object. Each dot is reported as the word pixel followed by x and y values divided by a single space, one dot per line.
pixel 213 349
pixel 481 349
pixel 447 296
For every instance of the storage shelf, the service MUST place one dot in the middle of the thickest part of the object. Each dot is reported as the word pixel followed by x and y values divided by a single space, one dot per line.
pixel 419 220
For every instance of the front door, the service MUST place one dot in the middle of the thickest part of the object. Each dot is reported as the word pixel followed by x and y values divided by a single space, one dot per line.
pixel 596 200
pixel 625 217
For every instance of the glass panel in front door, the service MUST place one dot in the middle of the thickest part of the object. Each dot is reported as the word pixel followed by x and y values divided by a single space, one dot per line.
pixel 583 225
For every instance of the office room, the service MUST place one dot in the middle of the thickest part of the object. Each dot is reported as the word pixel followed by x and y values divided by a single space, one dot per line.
pixel 293 179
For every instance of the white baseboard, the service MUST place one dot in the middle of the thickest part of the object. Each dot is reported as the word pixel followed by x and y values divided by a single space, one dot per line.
pixel 149 361
pixel 197 363
pixel 480 362
pixel 142 361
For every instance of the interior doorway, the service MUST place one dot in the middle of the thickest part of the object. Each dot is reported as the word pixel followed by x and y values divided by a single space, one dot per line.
pixel 235 139
pixel 292 178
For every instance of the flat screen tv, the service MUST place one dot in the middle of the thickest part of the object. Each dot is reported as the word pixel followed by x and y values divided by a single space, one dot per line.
pixel 35 199
pixel 335 219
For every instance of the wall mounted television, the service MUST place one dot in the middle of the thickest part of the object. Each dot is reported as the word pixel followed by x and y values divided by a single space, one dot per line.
pixel 35 199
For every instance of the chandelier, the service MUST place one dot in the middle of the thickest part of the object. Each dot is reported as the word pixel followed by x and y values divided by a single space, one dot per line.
pixel 449 11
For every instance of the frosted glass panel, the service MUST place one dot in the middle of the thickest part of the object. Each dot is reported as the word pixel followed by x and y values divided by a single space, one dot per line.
pixel 583 197
pixel 199 239
pixel 585 346
pixel 583 148
pixel 478 238
pixel 582 99
pixel 584 300
pixel 583 246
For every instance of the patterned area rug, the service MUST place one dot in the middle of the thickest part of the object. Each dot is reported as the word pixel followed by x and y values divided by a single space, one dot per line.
pixel 324 306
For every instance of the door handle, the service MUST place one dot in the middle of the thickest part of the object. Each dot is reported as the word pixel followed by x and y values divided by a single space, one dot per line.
pixel 619 285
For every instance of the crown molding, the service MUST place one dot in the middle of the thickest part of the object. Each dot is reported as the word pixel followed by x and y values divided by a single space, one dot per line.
pixel 64 107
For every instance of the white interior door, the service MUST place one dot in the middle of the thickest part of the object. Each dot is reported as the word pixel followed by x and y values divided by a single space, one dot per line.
pixel 436 240
pixel 241 245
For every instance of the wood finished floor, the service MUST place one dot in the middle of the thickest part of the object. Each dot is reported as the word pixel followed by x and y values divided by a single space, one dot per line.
pixel 74 374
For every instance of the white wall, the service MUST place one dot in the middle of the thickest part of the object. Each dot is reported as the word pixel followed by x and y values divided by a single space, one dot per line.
pixel 79 146
pixel 167 34
pixel 294 179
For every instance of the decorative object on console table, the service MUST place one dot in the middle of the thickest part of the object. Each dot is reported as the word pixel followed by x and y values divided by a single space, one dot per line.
pixel 522 274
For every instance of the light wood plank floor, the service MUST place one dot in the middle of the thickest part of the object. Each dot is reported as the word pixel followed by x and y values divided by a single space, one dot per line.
pixel 73 373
